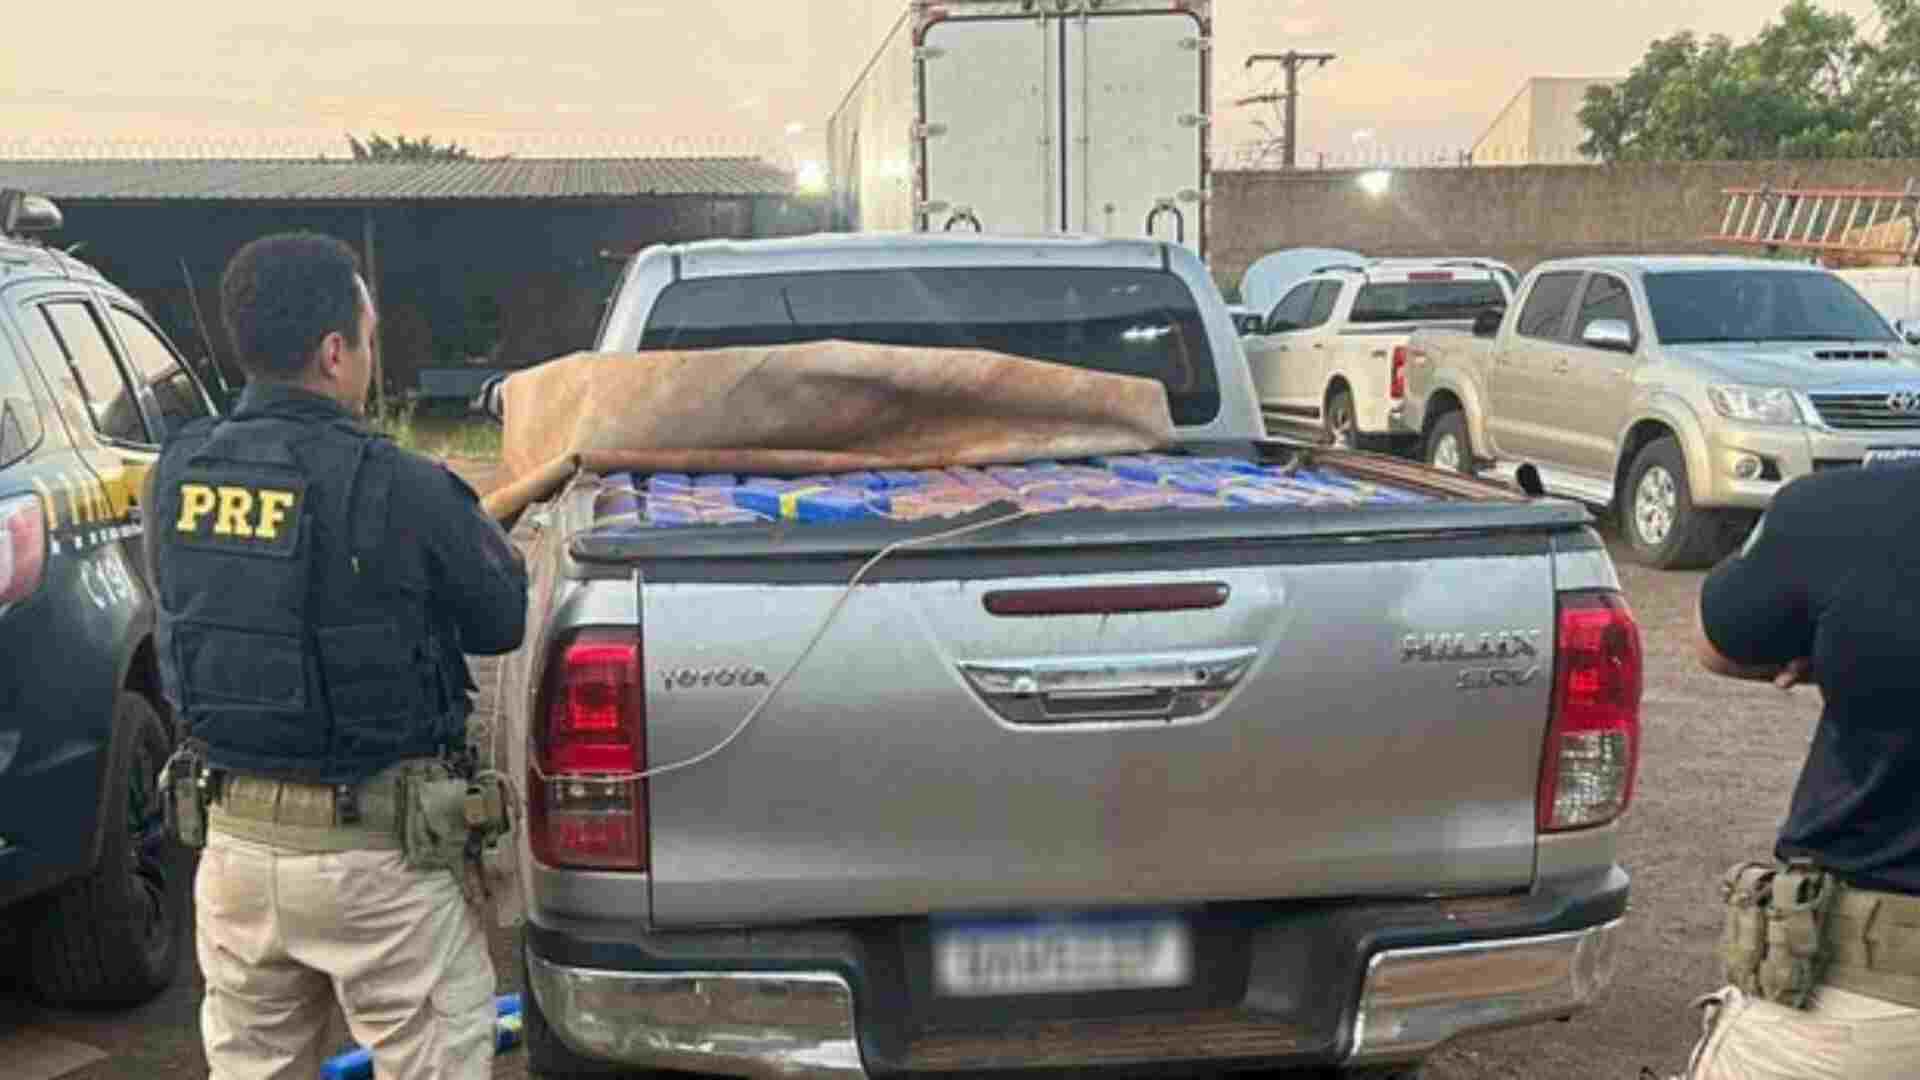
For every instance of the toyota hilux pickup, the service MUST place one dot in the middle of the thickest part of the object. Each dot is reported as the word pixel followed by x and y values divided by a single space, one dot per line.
pixel 1317 786
pixel 1680 393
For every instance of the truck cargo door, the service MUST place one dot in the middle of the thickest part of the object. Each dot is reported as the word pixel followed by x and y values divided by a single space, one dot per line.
pixel 990 112
pixel 1135 99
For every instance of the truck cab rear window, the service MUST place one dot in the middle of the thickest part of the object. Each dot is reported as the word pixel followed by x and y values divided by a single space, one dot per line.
pixel 1129 322
pixel 1413 301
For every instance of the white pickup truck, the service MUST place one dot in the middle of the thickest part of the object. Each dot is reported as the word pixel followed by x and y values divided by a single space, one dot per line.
pixel 1333 350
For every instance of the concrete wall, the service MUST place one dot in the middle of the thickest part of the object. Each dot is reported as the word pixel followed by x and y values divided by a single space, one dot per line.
pixel 1521 214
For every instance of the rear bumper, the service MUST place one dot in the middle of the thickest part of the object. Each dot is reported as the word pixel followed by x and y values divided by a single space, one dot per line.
pixel 1416 999
pixel 1385 418
pixel 792 1023
pixel 1284 984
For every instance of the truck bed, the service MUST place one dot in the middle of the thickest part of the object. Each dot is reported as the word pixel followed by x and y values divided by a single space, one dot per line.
pixel 1011 718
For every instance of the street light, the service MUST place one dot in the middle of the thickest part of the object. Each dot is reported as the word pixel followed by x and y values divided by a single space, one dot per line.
pixel 1376 183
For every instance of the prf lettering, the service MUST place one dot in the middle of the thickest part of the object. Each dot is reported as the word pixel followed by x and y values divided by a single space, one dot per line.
pixel 254 513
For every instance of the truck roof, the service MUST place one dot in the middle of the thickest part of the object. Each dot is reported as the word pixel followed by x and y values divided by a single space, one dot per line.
pixel 26 258
pixel 880 249
pixel 1401 272
pixel 1671 264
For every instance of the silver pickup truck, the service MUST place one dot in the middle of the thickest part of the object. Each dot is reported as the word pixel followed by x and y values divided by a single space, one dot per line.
pixel 1680 392
pixel 1312 786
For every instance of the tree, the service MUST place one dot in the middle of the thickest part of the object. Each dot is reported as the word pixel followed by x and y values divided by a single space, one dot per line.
pixel 381 150
pixel 1808 85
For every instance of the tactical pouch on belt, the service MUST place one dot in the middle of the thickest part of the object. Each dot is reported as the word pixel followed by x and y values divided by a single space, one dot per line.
pixel 1796 935
pixel 1748 892
pixel 433 819
pixel 183 798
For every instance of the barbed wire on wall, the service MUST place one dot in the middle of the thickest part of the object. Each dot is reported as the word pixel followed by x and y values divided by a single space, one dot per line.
pixel 1258 153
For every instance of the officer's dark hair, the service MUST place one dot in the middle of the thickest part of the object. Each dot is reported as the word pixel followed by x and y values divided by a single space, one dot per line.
pixel 282 295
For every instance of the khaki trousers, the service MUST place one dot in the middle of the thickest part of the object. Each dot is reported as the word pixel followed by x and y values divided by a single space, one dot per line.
pixel 282 933
pixel 1843 1036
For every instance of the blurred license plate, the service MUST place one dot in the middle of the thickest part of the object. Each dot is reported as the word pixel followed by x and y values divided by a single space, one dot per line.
pixel 1063 955
pixel 1893 455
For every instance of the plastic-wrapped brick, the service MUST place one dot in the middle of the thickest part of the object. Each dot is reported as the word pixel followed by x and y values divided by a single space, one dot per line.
pixel 841 504
pixel 616 504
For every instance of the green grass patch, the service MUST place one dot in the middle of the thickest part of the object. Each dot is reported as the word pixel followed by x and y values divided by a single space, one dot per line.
pixel 438 435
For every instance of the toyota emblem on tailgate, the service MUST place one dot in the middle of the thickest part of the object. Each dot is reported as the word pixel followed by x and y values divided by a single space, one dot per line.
pixel 1904 401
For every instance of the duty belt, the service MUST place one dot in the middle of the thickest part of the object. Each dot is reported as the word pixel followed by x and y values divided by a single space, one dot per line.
pixel 316 817
pixel 1875 943
pixel 1791 929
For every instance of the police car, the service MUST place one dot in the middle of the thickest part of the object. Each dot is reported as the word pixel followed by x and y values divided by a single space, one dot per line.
pixel 95 895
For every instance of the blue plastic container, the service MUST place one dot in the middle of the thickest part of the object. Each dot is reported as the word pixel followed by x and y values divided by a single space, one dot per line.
pixel 357 1063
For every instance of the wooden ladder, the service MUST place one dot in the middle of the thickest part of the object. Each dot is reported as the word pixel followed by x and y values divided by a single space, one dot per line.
pixel 1843 224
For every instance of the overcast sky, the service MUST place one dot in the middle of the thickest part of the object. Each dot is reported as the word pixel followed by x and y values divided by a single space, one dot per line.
pixel 639 76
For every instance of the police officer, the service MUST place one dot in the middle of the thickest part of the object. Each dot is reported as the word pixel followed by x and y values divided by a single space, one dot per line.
pixel 318 588
pixel 1822 943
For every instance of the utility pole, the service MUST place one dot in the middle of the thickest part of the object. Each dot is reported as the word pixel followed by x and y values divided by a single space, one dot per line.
pixel 1292 60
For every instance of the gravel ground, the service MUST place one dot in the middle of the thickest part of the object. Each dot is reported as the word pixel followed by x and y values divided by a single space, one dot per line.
pixel 1716 772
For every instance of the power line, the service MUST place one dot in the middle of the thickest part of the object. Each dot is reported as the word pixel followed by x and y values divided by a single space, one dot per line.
pixel 1291 62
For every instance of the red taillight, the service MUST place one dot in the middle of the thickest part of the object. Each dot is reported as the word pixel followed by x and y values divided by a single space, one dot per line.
pixel 1430 275
pixel 1593 734
pixel 23 548
pixel 1398 388
pixel 585 809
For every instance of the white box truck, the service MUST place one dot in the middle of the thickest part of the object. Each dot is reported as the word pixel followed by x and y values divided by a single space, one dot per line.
pixel 1030 117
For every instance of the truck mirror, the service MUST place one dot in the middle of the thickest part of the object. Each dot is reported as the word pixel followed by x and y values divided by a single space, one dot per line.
pixel 1908 329
pixel 1611 334
pixel 1487 323
pixel 21 213
pixel 487 401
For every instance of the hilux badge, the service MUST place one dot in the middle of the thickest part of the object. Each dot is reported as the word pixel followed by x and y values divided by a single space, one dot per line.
pixel 1453 648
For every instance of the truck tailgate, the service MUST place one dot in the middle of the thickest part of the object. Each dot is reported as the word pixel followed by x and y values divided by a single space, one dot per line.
pixel 1308 736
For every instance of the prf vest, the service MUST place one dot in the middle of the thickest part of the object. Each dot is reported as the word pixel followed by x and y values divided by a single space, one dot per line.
pixel 295 641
